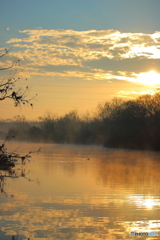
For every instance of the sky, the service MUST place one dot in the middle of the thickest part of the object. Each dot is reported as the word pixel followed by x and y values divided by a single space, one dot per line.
pixel 76 54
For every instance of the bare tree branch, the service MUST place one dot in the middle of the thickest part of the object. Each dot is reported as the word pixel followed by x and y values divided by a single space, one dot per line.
pixel 8 88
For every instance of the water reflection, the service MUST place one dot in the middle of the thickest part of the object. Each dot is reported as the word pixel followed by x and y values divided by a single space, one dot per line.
pixel 114 193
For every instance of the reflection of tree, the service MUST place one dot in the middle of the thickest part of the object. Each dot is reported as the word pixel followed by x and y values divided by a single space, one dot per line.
pixel 2 185
pixel 17 238
pixel 130 170
pixel 11 173
pixel 8 161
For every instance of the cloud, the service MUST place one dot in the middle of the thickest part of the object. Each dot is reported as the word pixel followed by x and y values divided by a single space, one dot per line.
pixel 151 92
pixel 136 64
pixel 132 94
pixel 92 54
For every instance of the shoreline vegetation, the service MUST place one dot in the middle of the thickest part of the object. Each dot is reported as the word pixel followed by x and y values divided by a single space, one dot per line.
pixel 133 124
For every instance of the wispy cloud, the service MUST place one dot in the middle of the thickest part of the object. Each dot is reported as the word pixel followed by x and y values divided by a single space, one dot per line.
pixel 91 55
pixel 130 93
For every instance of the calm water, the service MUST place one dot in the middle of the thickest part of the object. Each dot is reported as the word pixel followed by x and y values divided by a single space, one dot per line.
pixel 65 196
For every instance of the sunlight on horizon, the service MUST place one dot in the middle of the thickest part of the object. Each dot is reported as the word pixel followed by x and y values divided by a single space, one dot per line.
pixel 149 78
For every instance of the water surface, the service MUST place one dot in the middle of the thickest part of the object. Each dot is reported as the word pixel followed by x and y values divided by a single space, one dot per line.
pixel 65 196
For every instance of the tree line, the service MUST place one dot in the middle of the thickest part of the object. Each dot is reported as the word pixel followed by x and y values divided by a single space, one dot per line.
pixel 133 124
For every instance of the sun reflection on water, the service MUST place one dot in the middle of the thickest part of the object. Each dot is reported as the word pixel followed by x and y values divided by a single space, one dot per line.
pixel 148 203
pixel 104 198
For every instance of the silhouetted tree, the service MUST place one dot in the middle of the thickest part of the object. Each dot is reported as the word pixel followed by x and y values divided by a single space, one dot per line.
pixel 8 88
pixel 118 124
pixel 47 124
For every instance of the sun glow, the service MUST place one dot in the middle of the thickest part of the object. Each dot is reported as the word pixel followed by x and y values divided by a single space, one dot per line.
pixel 147 203
pixel 149 78
pixel 150 52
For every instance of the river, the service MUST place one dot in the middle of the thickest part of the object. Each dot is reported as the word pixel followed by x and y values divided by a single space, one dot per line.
pixel 81 192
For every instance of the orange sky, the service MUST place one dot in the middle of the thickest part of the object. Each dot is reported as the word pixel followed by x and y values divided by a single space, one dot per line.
pixel 73 69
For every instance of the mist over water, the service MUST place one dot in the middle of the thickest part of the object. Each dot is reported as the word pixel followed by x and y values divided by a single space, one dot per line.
pixel 82 192
pixel 130 124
